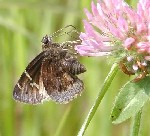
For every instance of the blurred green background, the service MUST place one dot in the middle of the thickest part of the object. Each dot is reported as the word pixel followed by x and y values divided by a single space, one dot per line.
pixel 22 26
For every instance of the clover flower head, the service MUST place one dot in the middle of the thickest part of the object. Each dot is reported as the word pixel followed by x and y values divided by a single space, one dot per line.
pixel 114 28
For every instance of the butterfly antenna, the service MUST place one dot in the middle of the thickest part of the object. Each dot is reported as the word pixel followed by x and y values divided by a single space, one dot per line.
pixel 72 31
pixel 58 32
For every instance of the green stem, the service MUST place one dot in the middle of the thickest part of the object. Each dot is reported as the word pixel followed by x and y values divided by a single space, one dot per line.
pixel 101 94
pixel 136 124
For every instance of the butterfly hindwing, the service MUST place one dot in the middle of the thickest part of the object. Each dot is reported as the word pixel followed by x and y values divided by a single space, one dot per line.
pixel 69 89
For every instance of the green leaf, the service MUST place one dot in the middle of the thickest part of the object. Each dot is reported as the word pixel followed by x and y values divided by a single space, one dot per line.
pixel 130 100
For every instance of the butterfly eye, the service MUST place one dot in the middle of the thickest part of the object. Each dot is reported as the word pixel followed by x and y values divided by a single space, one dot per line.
pixel 46 39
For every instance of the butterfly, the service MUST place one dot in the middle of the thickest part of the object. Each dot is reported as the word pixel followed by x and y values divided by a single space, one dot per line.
pixel 51 75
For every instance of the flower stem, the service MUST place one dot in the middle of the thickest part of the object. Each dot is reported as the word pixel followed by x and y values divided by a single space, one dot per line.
pixel 101 94
pixel 136 124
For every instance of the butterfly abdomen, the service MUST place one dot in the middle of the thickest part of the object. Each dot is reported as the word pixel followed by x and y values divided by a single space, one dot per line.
pixel 73 66
pixel 77 68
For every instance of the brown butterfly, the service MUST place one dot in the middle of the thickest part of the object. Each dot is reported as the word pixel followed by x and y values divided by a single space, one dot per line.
pixel 50 76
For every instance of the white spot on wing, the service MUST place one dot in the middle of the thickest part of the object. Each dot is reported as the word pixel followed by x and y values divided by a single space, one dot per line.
pixel 27 75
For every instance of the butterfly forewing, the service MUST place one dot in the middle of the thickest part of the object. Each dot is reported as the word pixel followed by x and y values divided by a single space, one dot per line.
pixel 28 86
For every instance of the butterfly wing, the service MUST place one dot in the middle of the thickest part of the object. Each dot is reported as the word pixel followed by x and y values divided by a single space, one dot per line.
pixel 50 76
pixel 61 86
pixel 29 88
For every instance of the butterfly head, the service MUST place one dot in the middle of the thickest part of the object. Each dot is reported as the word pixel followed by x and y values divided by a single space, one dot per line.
pixel 47 41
